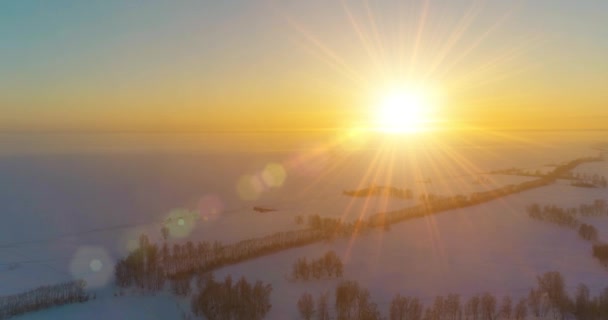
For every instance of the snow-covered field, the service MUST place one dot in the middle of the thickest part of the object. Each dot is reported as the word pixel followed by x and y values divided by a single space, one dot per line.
pixel 72 215
pixel 492 247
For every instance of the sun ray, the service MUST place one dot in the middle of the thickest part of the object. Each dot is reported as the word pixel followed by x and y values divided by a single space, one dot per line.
pixel 330 57
pixel 376 36
pixel 478 41
pixel 365 41
pixel 418 38
pixel 407 77
pixel 370 168
pixel 463 25
pixel 490 71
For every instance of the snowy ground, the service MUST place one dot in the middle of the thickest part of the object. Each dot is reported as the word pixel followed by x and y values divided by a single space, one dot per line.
pixel 64 211
pixel 492 247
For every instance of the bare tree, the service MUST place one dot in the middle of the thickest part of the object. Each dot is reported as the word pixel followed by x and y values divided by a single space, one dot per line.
pixel 398 309
pixel 452 307
pixel 472 308
pixel 551 285
pixel 164 232
pixel 414 309
pixel 323 307
pixel 582 303
pixel 506 309
pixel 306 306
pixel 488 306
pixel 346 297
pixel 535 302
pixel 521 311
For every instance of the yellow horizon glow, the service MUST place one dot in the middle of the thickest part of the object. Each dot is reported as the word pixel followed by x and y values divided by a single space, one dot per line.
pixel 309 74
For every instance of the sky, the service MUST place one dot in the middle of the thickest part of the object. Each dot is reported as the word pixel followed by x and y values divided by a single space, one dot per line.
pixel 240 65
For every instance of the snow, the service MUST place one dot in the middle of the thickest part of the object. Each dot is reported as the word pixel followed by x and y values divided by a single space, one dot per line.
pixel 159 307
pixel 71 215
pixel 492 247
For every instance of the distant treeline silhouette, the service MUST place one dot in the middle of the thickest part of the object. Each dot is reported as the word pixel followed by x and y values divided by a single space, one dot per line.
pixel 43 298
pixel 518 172
pixel 434 204
pixel 579 179
pixel 548 299
pixel 381 191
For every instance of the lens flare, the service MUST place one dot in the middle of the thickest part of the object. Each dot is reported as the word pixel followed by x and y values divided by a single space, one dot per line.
pixel 274 175
pixel 92 264
pixel 181 222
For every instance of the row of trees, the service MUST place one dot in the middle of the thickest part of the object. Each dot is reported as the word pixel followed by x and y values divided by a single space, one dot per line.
pixel 566 217
pixel 351 302
pixel 597 208
pixel 43 298
pixel 148 266
pixel 587 180
pixel 228 300
pixel 554 214
pixel 433 204
pixel 518 172
pixel 588 232
pixel 328 266
pixel 381 191
pixel 548 299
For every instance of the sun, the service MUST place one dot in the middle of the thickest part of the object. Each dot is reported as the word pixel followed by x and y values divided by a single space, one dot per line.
pixel 403 110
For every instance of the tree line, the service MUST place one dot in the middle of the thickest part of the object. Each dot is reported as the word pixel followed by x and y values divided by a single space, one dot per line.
pixel 432 204
pixel 587 180
pixel 548 299
pixel 380 191
pixel 43 298
pixel 518 172
pixel 566 217
pixel 598 207
pixel 228 300
pixel 351 302
pixel 328 266
pixel 149 265
pixel 578 179
pixel 554 214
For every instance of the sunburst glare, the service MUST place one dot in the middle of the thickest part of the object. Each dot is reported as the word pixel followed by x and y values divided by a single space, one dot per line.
pixel 404 110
